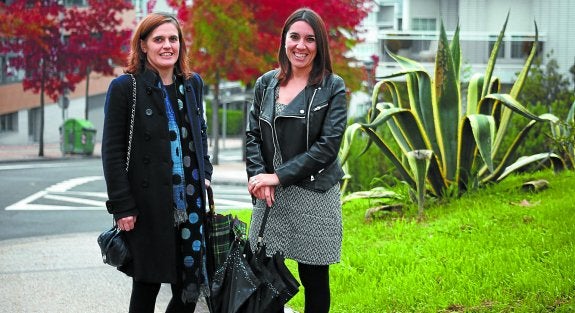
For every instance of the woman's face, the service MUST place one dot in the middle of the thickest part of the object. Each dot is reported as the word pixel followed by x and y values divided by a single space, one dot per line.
pixel 162 47
pixel 300 46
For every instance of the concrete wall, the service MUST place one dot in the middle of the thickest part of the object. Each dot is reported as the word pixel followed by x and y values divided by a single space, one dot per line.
pixel 53 119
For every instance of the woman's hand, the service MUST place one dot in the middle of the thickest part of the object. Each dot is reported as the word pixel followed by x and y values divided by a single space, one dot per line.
pixel 127 223
pixel 262 186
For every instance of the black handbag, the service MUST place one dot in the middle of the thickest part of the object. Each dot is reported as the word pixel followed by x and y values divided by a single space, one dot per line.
pixel 114 248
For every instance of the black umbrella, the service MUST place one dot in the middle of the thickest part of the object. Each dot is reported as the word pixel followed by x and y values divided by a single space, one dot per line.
pixel 219 235
pixel 221 231
pixel 278 283
pixel 233 283
pixel 252 282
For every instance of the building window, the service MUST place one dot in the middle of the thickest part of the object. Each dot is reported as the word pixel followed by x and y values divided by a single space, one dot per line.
pixel 78 3
pixel 384 17
pixel 34 119
pixel 9 74
pixel 9 122
pixel 424 24
pixel 521 49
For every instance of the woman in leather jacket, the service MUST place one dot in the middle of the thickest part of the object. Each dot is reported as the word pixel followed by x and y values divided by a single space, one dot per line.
pixel 156 166
pixel 295 127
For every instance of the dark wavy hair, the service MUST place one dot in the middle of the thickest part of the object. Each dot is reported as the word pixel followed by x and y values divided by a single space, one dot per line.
pixel 322 61
pixel 137 58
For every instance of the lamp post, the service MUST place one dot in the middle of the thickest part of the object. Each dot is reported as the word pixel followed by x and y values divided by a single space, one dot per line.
pixel 572 70
pixel 368 70
pixel 62 101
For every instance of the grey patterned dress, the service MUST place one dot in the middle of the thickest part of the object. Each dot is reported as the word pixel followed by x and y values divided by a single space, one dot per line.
pixel 305 225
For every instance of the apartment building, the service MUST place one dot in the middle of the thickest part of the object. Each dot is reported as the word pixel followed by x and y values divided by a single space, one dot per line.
pixel 410 28
pixel 406 27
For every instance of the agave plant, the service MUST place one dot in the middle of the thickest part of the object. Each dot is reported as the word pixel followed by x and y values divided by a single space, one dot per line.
pixel 464 139
pixel 563 135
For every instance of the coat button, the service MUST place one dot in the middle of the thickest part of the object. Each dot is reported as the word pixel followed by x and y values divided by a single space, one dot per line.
pixel 149 112
pixel 149 90
pixel 145 184
pixel 146 159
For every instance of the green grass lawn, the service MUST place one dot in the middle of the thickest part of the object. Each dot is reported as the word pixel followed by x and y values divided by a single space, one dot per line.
pixel 499 249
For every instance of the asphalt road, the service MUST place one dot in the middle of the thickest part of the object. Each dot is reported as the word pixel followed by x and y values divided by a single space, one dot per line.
pixel 65 197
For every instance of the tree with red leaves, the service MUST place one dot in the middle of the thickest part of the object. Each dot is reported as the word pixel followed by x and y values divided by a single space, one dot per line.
pixel 265 20
pixel 58 47
pixel 341 17
pixel 96 41
pixel 239 40
pixel 221 37
pixel 34 37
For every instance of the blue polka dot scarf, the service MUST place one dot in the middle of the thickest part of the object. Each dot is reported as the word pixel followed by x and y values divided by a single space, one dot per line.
pixel 188 208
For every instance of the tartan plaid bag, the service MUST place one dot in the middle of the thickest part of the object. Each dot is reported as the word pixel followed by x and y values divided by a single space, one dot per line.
pixel 221 231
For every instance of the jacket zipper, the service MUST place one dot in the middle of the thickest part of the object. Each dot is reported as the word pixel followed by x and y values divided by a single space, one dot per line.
pixel 308 115
pixel 312 178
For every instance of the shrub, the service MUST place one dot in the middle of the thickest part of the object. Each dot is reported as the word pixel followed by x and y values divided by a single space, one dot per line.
pixel 463 139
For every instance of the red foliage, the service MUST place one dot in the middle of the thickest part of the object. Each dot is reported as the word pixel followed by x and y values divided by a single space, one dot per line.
pixel 341 17
pixel 96 41
pixel 55 46
pixel 267 18
pixel 220 33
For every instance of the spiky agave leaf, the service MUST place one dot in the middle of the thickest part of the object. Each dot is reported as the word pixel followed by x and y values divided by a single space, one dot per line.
pixel 447 106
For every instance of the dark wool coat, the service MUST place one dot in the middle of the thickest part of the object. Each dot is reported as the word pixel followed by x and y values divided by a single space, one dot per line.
pixel 146 189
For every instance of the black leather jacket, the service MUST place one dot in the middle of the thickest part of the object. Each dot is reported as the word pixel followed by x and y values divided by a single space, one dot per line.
pixel 309 132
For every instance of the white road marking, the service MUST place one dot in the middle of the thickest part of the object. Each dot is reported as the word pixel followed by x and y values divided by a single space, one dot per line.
pixel 71 183
pixel 87 200
pixel 232 203
pixel 54 193
pixel 28 166
pixel 76 200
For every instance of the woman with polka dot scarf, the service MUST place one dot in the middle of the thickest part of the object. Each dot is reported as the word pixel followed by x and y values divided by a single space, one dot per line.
pixel 159 201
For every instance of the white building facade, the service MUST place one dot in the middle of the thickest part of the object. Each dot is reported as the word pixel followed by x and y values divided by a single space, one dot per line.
pixel 411 28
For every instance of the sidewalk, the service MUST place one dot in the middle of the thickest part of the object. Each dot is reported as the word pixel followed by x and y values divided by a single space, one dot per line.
pixel 65 273
pixel 227 172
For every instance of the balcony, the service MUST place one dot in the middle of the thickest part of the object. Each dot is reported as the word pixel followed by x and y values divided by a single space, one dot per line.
pixel 421 46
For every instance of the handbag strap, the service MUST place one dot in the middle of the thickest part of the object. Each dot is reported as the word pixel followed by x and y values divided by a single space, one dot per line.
pixel 132 116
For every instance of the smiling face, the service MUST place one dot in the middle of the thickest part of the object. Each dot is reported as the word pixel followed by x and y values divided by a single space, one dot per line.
pixel 300 46
pixel 162 47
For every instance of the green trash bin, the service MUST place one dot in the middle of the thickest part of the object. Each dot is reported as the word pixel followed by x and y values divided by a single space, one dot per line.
pixel 78 136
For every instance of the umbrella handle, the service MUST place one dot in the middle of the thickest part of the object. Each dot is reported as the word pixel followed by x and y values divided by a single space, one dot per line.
pixel 211 200
pixel 263 226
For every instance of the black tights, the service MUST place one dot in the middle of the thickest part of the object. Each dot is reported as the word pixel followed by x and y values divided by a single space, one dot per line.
pixel 315 281
pixel 144 295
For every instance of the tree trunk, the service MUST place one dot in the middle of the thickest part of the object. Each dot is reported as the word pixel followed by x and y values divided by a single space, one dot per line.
pixel 41 136
pixel 87 107
pixel 215 121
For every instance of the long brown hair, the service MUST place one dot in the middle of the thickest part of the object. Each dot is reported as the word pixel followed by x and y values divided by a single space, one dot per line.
pixel 322 61
pixel 137 58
